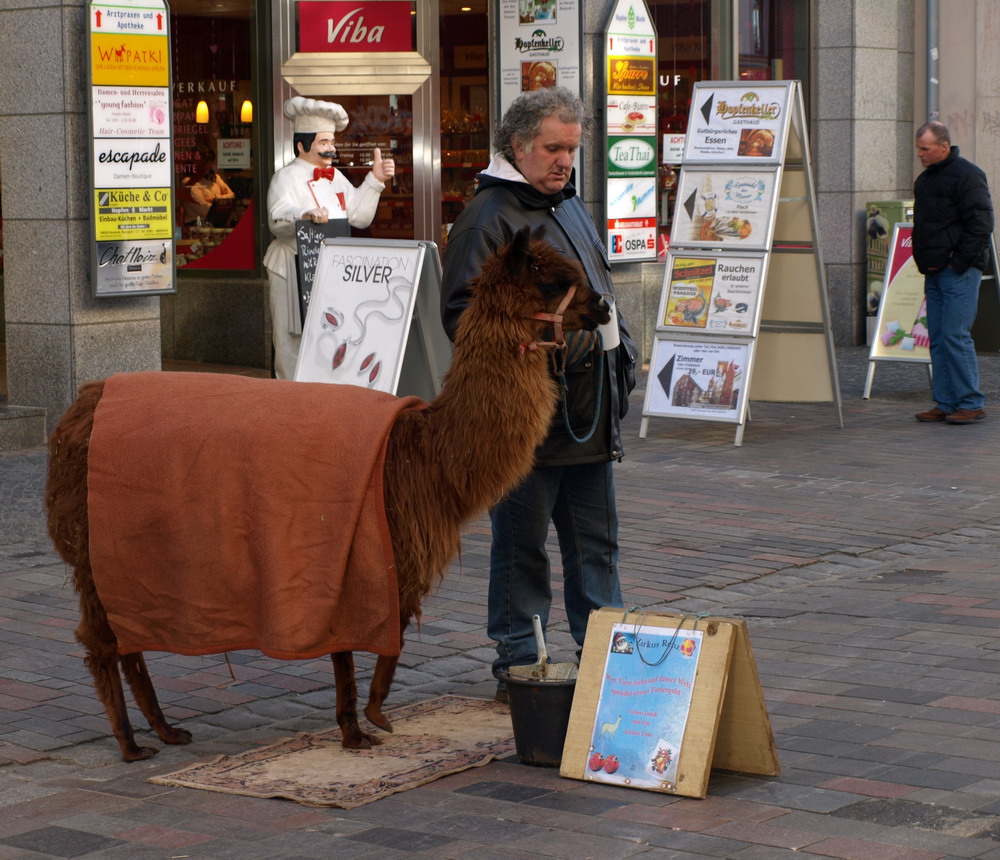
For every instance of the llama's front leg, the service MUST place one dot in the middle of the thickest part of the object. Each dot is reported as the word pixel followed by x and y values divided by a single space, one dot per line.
pixel 385 670
pixel 347 704
pixel 137 675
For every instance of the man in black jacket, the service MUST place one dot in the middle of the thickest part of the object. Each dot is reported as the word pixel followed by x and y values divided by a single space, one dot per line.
pixel 952 225
pixel 528 184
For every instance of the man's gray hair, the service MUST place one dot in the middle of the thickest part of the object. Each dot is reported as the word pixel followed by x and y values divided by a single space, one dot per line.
pixel 523 120
pixel 938 129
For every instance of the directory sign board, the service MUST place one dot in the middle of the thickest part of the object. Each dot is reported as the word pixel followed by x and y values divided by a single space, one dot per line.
pixel 131 148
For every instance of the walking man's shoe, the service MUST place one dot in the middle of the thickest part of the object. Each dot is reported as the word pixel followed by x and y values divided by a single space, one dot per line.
pixel 934 414
pixel 966 416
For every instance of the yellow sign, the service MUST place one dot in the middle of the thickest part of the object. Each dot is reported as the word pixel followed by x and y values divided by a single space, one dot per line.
pixel 132 213
pixel 631 76
pixel 124 58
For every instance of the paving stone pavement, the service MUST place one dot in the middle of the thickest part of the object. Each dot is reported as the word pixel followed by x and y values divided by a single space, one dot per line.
pixel 866 560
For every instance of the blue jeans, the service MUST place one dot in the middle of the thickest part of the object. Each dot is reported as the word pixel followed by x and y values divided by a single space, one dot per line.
pixel 580 502
pixel 952 302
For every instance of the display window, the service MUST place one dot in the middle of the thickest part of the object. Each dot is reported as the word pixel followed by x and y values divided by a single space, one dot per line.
pixel 214 160
pixel 465 105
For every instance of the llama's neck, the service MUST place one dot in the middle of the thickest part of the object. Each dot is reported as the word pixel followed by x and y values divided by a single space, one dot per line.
pixel 480 434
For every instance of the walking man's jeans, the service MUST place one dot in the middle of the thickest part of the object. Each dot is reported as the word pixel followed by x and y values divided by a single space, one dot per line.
pixel 580 501
pixel 952 301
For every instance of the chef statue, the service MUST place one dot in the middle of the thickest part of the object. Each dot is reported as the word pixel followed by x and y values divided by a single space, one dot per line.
pixel 310 188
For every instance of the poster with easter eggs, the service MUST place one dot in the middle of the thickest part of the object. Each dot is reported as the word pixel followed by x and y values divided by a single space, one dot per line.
pixel 901 327
pixel 711 293
pixel 643 706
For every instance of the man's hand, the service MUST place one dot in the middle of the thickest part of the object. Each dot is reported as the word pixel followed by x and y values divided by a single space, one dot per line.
pixel 317 216
pixel 382 168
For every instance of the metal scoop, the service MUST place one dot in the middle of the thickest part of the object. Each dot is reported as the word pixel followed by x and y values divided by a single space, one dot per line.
pixel 543 669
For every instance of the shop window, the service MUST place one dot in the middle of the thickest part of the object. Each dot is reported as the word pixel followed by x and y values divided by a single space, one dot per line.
pixel 684 55
pixel 774 41
pixel 214 161
pixel 465 104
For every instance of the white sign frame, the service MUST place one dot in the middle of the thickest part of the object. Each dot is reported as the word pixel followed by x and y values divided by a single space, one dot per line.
pixel 737 198
pixel 738 122
pixel 696 354
pixel 363 297
pixel 732 308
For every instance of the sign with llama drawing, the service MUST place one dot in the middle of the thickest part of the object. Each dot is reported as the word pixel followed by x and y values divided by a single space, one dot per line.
pixel 661 699
pixel 643 705
pixel 358 320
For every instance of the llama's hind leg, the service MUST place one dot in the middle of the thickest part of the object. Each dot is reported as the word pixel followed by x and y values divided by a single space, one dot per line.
pixel 137 675
pixel 103 665
pixel 347 704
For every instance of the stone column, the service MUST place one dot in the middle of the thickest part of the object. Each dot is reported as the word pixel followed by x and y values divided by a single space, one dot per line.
pixel 58 335
pixel 861 137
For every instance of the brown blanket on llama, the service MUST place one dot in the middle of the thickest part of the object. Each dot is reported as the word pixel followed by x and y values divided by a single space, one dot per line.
pixel 230 513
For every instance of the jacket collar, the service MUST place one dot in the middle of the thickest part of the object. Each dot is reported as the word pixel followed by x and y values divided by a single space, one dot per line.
pixel 501 172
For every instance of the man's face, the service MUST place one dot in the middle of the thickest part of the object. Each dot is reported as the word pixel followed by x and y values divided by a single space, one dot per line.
pixel 929 151
pixel 548 159
pixel 321 152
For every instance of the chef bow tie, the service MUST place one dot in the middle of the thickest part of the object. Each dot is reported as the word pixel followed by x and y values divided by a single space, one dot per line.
pixel 324 173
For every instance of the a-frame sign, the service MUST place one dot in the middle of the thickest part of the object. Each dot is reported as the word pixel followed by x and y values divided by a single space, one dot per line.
pixel 744 312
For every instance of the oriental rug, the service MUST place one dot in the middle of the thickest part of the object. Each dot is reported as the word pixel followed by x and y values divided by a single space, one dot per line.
pixel 429 740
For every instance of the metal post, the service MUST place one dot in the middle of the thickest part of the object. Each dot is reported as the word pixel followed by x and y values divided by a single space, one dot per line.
pixel 932 60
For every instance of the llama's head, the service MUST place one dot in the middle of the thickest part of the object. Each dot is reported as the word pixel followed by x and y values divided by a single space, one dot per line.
pixel 529 279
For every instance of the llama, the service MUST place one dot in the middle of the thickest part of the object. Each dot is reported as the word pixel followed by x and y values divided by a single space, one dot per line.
pixel 465 449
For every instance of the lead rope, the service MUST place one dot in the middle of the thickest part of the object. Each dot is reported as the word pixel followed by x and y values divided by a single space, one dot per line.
pixel 560 373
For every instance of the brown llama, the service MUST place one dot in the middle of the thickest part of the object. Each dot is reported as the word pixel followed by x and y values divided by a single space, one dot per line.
pixel 445 463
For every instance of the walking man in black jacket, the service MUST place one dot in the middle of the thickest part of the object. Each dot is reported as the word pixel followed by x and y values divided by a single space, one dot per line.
pixel 952 225
pixel 572 486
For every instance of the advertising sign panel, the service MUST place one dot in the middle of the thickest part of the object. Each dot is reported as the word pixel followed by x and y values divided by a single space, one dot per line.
pixel 737 122
pixel 539 47
pixel 131 148
pixel 630 135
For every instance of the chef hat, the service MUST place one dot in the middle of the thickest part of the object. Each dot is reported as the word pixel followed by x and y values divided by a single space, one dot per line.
pixel 313 115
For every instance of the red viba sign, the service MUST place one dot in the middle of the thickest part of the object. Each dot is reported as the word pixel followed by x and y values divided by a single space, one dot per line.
pixel 357 27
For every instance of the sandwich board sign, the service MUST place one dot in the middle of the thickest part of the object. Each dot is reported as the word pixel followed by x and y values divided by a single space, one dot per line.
pixel 661 699
pixel 373 318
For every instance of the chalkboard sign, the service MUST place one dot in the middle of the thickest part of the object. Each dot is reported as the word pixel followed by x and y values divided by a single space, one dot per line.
pixel 309 239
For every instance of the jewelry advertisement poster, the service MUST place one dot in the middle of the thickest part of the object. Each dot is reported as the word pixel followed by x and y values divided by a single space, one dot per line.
pixel 359 314
pixel 698 379
pixel 725 208
pixel 713 293
pixel 733 122
pixel 642 711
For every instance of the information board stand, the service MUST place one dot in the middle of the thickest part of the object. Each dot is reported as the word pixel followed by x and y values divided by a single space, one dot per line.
pixel 744 311
pixel 661 699
pixel 373 318
pixel 901 323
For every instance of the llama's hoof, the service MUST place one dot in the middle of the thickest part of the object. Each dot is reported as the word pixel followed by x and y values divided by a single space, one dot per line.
pixel 377 718
pixel 175 735
pixel 363 741
pixel 137 753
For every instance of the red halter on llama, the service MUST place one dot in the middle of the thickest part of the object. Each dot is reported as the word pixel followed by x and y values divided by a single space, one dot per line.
pixel 291 562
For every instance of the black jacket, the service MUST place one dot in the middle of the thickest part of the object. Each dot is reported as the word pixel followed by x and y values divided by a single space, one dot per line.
pixel 952 216
pixel 499 209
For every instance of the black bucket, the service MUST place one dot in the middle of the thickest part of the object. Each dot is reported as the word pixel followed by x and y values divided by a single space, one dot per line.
pixel 539 712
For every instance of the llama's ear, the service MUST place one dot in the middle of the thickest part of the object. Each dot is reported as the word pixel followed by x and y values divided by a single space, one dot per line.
pixel 539 233
pixel 519 254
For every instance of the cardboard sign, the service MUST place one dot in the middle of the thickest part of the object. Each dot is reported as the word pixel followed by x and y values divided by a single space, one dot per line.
pixel 662 699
